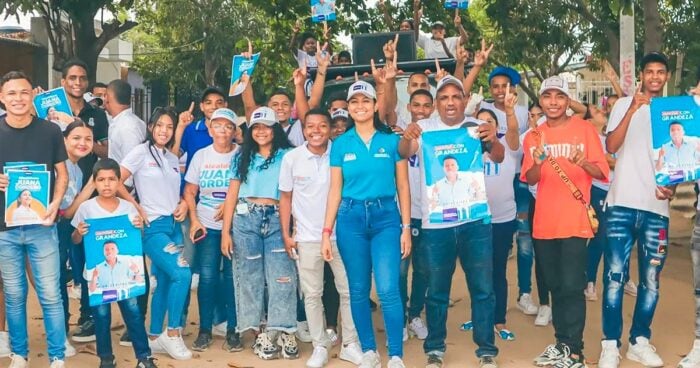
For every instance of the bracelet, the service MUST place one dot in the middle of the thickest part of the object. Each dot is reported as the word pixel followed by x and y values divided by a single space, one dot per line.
pixel 327 231
pixel 405 226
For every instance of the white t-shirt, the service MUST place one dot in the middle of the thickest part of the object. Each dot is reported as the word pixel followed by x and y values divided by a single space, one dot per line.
pixel 90 209
pixel 157 182
pixel 634 185
pixel 414 180
pixel 295 133
pixel 310 61
pixel 125 132
pixel 308 177
pixel 429 125
pixel 499 184
pixel 210 170
pixel 434 48
pixel 521 114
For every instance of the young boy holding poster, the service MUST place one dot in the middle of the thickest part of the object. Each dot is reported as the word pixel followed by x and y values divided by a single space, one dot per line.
pixel 106 176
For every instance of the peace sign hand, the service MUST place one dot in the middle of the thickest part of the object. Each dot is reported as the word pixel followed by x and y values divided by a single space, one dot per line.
pixel 511 100
pixel 482 56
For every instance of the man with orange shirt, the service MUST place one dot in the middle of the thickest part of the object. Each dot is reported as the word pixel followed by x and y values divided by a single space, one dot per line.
pixel 561 227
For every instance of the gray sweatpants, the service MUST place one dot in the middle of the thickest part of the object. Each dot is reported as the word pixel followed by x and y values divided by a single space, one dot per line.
pixel 695 255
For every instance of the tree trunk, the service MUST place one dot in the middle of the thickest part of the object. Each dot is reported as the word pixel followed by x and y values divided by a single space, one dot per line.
pixel 653 32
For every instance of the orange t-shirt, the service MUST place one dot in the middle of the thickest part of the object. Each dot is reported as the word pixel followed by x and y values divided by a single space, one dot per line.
pixel 558 214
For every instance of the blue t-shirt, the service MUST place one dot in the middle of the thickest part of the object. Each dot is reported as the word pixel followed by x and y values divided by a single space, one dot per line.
pixel 195 137
pixel 260 183
pixel 367 173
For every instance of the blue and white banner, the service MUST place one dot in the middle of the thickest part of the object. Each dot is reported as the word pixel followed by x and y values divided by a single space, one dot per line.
pixel 322 10
pixel 50 104
pixel 27 195
pixel 456 4
pixel 239 66
pixel 675 131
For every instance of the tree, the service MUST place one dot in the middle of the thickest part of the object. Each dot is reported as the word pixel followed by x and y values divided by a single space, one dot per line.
pixel 71 29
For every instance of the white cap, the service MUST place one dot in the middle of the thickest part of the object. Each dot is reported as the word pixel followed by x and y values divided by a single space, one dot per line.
pixel 449 80
pixel 263 115
pixel 363 88
pixel 340 113
pixel 557 83
pixel 89 97
pixel 224 113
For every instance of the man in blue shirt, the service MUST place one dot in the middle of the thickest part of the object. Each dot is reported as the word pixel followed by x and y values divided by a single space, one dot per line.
pixel 680 152
pixel 114 273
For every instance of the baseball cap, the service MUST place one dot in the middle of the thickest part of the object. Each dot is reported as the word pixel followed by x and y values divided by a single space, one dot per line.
pixel 224 113
pixel 449 80
pixel 653 57
pixel 263 115
pixel 363 88
pixel 89 97
pixel 340 113
pixel 555 82
pixel 437 24
pixel 509 72
pixel 212 90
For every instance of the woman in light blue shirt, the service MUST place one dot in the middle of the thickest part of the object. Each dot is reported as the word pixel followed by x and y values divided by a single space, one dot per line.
pixel 252 238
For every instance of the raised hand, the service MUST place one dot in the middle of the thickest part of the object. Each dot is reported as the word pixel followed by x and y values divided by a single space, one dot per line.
pixel 439 72
pixel 609 72
pixel 297 26
pixel 482 56
pixel 639 99
pixel 462 55
pixel 299 76
pixel 458 19
pixel 389 48
pixel 326 31
pixel 511 100
pixel 249 53
pixel 186 117
pixel 323 57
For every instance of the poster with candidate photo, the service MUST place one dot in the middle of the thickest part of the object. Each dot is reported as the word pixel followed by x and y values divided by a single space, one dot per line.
pixel 456 4
pixel 454 176
pixel 239 66
pixel 113 260
pixel 26 196
pixel 675 131
pixel 322 10
pixel 50 104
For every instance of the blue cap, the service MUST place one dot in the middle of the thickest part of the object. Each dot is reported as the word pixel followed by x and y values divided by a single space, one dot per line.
pixel 511 73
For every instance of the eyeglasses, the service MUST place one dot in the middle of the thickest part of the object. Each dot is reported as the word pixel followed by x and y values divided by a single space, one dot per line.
pixel 226 127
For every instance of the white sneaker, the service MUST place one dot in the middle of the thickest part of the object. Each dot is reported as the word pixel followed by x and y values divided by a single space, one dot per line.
pixel 370 359
pixel 351 353
pixel 395 362
pixel 18 362
pixel 591 293
pixel 57 363
pixel 692 360
pixel 544 315
pixel 610 355
pixel 630 288
pixel 70 350
pixel 303 333
pixel 220 329
pixel 174 346
pixel 526 305
pixel 156 347
pixel 195 281
pixel 4 344
pixel 319 358
pixel 417 328
pixel 645 353
pixel 332 336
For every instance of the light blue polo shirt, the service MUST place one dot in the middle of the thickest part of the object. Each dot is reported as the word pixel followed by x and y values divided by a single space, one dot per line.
pixel 367 173
pixel 260 183
pixel 684 157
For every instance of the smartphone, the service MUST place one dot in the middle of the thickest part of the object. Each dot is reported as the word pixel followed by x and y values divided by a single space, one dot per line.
pixel 199 235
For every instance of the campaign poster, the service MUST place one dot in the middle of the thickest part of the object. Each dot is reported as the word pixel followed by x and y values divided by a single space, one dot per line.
pixel 26 197
pixel 239 66
pixel 322 10
pixel 22 166
pixel 456 4
pixel 50 104
pixel 114 267
pixel 454 176
pixel 675 131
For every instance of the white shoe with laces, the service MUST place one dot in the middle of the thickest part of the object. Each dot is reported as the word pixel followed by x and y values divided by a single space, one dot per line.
pixel 351 353
pixel 57 363
pixel 319 358
pixel 630 288
pixel 544 316
pixel 70 350
pixel 4 344
pixel 174 346
pixel 18 362
pixel 370 359
pixel 610 355
pixel 645 353
pixel 303 333
pixel 332 336
pixel 526 305
pixel 395 362
pixel 692 360
pixel 417 328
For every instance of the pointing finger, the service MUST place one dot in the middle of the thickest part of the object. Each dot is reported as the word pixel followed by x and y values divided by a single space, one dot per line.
pixel 396 39
pixel 191 109
pixel 356 77
pixel 250 46
pixel 437 65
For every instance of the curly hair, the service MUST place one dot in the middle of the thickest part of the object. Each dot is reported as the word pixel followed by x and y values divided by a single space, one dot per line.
pixel 250 147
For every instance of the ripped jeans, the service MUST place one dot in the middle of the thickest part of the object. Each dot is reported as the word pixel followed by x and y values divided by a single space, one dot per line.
pixel 162 243
pixel 259 259
pixel 650 231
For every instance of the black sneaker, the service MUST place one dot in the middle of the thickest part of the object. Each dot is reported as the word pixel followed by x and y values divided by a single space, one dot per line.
pixel 233 342
pixel 149 362
pixel 203 341
pixel 85 333
pixel 125 340
pixel 434 361
pixel 487 361
pixel 108 363
pixel 569 362
pixel 552 355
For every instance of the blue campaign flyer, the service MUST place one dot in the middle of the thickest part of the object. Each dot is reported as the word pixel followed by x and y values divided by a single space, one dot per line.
pixel 26 197
pixel 454 176
pixel 22 166
pixel 239 66
pixel 114 267
pixel 456 4
pixel 51 103
pixel 675 131
pixel 322 10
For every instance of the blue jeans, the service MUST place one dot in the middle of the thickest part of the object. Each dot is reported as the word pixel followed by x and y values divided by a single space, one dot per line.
pixel 162 243
pixel 523 239
pixel 40 244
pixel 131 313
pixel 215 281
pixel 599 242
pixel 625 227
pixel 369 241
pixel 437 255
pixel 259 259
pixel 419 282
pixel 502 235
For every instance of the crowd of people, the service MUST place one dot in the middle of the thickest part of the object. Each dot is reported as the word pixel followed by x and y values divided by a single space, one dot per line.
pixel 285 219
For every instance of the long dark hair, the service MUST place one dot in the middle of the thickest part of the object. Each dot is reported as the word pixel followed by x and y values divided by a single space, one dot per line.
pixel 490 112
pixel 250 147
pixel 157 113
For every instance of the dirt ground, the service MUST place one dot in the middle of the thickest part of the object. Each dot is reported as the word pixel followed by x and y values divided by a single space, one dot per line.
pixel 672 329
